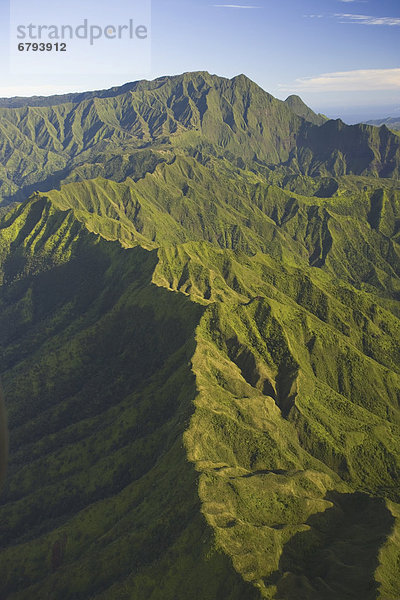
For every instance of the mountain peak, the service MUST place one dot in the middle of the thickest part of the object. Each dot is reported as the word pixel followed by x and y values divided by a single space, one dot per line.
pixel 298 106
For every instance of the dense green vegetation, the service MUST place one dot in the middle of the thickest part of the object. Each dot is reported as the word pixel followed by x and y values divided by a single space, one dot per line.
pixel 301 109
pixel 200 349
pixel 127 131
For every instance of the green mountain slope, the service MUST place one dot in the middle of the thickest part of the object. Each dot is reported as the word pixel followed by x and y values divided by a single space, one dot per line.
pixel 127 131
pixel 339 149
pixel 301 109
pixel 274 370
pixel 201 363
pixel 93 358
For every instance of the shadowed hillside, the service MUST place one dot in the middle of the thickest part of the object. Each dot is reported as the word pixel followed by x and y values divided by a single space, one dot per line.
pixel 96 364
pixel 3 439
pixel 201 362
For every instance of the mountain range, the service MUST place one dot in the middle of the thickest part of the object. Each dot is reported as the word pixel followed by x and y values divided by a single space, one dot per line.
pixel 390 122
pixel 125 132
pixel 200 347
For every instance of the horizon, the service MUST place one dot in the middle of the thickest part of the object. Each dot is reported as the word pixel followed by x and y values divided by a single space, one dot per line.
pixel 346 62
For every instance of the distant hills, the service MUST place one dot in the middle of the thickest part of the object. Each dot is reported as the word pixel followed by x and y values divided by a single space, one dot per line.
pixel 200 347
pixel 390 122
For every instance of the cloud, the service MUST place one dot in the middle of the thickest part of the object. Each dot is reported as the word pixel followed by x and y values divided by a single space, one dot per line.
pixel 234 6
pixel 367 20
pixel 347 81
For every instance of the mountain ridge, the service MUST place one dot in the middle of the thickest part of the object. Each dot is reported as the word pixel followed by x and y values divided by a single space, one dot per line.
pixel 128 133
pixel 201 358
pixel 390 122
pixel 255 346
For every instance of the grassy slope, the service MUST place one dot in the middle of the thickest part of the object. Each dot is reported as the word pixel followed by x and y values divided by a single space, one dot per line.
pixel 285 309
pixel 264 476
pixel 353 235
pixel 100 499
pixel 111 134
pixel 297 105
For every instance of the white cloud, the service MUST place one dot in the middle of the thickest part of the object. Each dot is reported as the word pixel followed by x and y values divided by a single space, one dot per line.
pixel 234 6
pixel 347 81
pixel 367 19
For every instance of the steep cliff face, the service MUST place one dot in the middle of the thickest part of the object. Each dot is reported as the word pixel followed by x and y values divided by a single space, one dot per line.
pixel 339 149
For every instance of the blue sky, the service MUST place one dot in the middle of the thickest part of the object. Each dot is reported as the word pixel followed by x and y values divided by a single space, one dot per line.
pixel 341 56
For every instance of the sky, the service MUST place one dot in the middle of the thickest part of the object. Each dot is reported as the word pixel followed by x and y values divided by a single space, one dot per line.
pixel 341 56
